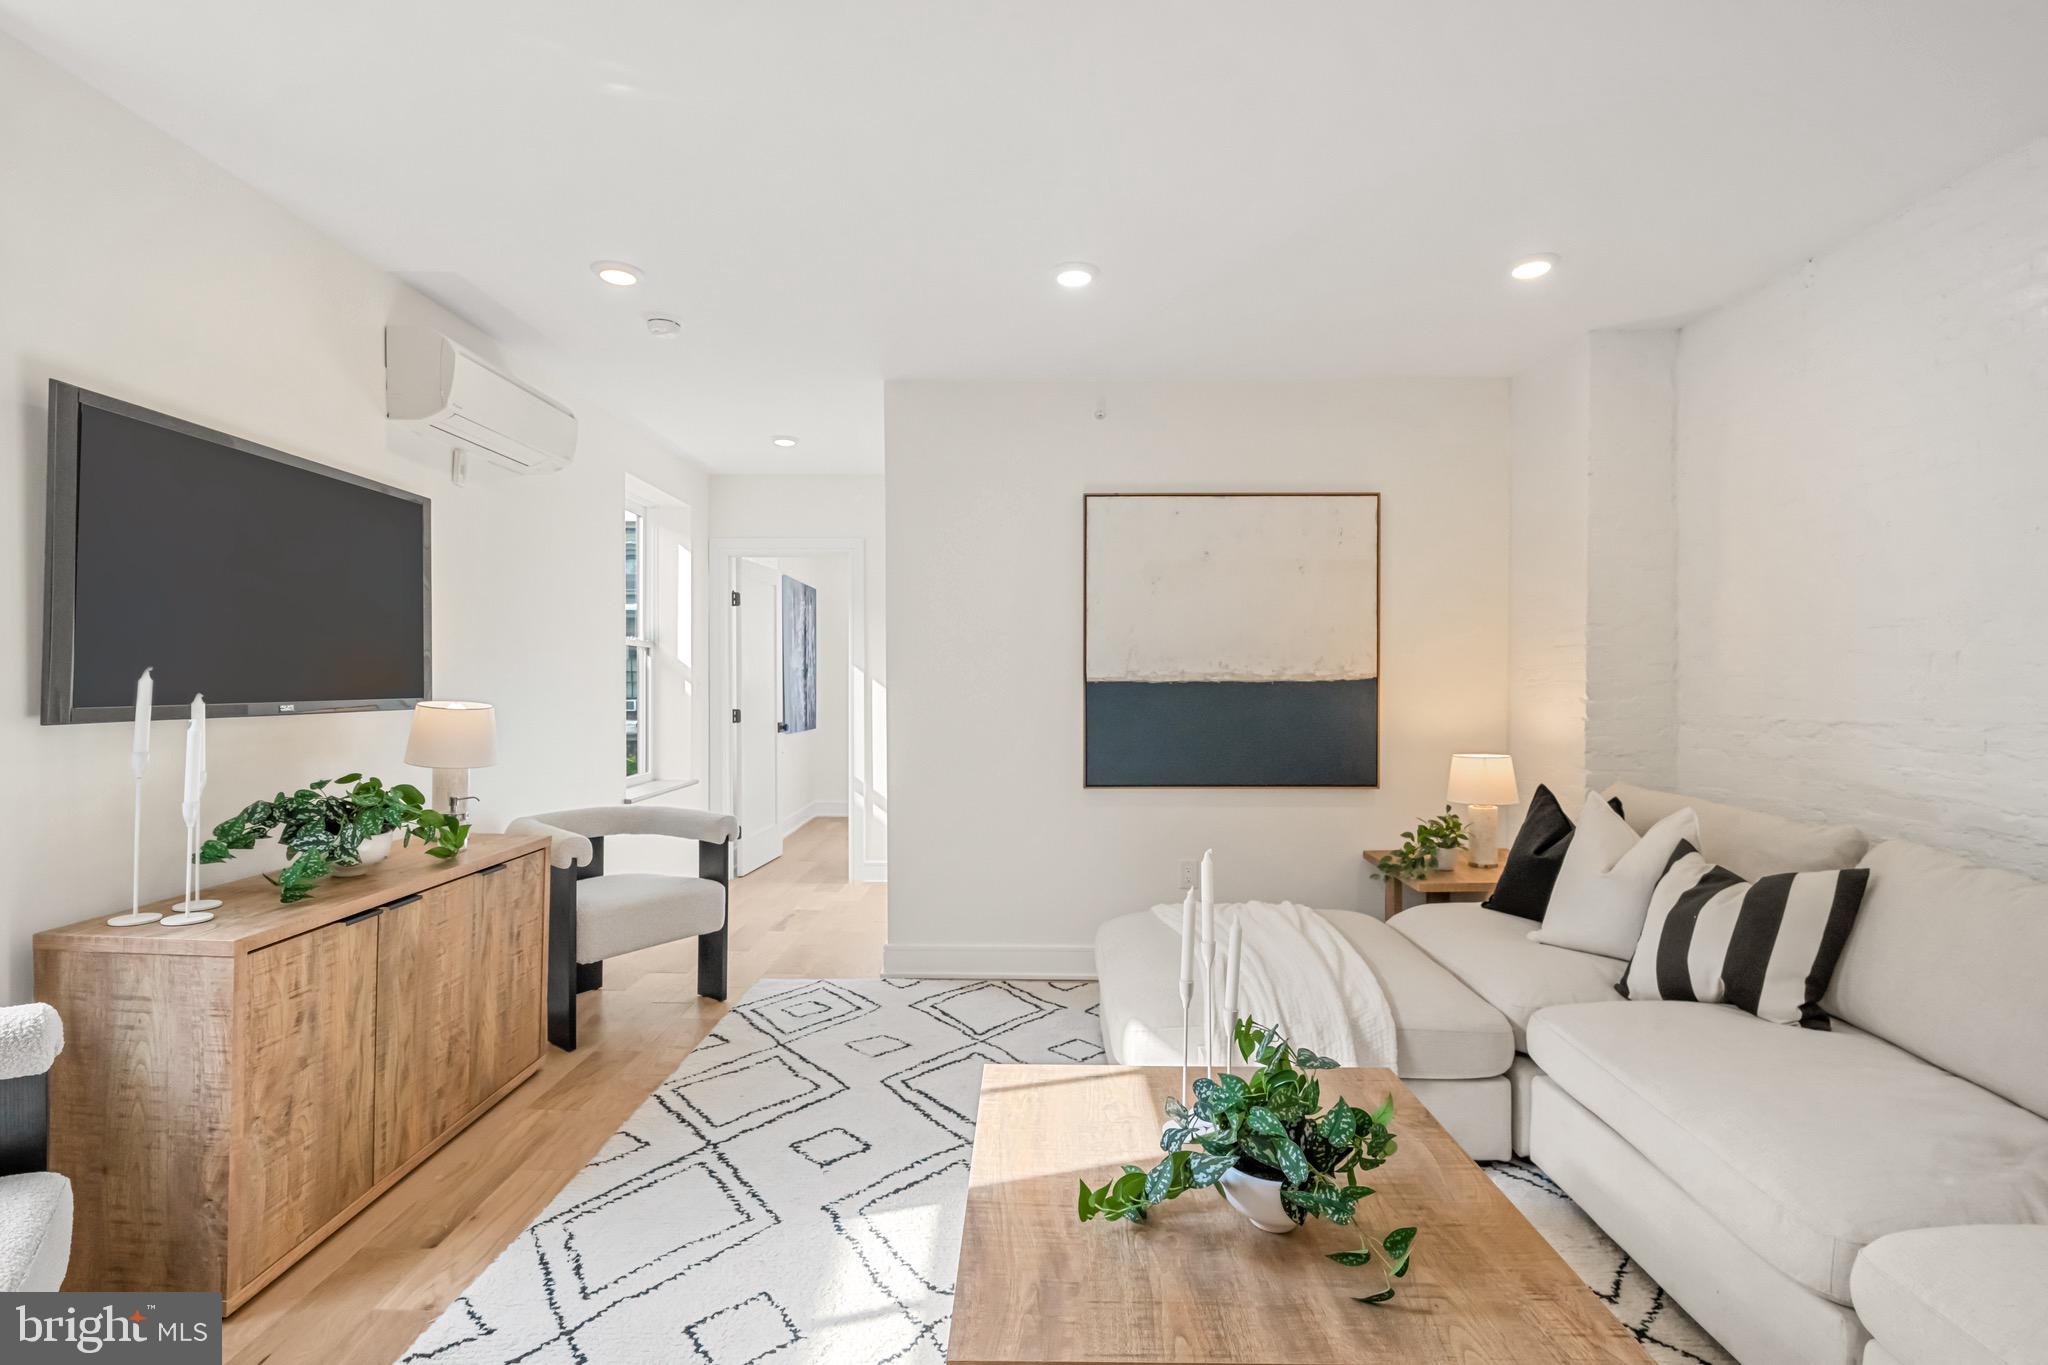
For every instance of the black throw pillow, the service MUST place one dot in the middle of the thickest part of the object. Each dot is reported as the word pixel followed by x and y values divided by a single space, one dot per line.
pixel 1532 866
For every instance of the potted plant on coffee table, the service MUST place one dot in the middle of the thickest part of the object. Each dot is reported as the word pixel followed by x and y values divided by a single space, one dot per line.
pixel 1270 1148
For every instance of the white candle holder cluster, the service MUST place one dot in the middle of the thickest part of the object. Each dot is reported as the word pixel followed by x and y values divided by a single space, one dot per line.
pixel 1198 943
pixel 193 909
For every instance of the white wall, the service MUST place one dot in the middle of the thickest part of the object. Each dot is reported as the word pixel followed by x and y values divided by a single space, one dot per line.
pixel 1862 472
pixel 131 266
pixel 1003 861
pixel 766 513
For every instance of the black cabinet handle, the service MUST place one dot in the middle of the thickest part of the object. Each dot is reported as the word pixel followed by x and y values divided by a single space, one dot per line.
pixel 493 869
pixel 405 900
pixel 360 916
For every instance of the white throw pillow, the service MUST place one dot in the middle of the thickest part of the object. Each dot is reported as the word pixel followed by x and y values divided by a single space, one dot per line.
pixel 1603 890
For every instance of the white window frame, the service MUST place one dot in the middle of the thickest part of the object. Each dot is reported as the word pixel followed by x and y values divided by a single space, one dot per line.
pixel 645 642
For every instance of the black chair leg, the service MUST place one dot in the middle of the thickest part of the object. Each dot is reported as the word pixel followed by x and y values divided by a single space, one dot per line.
pixel 562 958
pixel 711 965
pixel 714 863
pixel 589 976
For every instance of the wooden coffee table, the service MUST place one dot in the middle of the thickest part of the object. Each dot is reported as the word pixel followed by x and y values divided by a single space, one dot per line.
pixel 1196 1283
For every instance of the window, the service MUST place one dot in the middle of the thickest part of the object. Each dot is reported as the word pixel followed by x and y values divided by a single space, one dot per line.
pixel 639 651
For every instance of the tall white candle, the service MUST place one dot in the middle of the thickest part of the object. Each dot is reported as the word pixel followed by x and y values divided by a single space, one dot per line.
pixel 199 719
pixel 194 738
pixel 145 698
pixel 1208 879
pixel 1187 945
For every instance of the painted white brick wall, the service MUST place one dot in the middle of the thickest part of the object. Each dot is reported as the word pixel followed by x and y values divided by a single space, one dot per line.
pixel 1862 480
pixel 1547 576
pixel 1631 558
pixel 1592 643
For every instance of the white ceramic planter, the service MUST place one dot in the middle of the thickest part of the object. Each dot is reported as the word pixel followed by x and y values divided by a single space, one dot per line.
pixel 1446 859
pixel 1258 1199
pixel 369 853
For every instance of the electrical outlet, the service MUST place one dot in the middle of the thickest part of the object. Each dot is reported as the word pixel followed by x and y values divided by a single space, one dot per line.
pixel 1190 872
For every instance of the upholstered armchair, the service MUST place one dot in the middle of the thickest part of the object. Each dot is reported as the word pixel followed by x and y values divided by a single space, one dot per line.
pixel 35 1203
pixel 594 915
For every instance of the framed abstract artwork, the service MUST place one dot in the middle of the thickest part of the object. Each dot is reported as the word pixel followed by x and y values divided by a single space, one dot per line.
pixel 799 656
pixel 1231 639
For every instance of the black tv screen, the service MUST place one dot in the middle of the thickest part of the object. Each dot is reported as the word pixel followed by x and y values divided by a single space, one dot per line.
pixel 270 584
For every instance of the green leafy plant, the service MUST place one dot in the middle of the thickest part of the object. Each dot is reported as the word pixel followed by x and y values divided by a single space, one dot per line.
pixel 1419 846
pixel 323 825
pixel 1271 1125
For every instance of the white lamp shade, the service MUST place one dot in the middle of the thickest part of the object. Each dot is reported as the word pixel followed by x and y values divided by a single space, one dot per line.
pixel 453 734
pixel 1482 780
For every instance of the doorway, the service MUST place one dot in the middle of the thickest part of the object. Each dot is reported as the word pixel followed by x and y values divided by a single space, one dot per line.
pixel 794 752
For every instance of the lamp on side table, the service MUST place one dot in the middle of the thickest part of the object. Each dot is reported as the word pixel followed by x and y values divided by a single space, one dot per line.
pixel 1483 783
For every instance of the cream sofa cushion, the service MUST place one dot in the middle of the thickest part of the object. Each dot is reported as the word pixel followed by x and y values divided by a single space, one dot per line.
pixel 623 912
pixel 1491 953
pixel 1957 1296
pixel 1947 960
pixel 1609 874
pixel 1441 1030
pixel 1806 1145
pixel 1748 843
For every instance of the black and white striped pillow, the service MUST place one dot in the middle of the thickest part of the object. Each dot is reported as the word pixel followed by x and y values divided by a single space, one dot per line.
pixel 1767 946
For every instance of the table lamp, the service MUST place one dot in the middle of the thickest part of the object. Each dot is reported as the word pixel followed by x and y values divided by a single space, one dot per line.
pixel 451 737
pixel 1483 783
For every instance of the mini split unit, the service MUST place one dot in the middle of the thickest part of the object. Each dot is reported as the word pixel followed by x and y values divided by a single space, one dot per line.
pixel 443 397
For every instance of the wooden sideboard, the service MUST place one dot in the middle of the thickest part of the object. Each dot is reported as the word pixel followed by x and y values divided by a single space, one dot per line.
pixel 232 1092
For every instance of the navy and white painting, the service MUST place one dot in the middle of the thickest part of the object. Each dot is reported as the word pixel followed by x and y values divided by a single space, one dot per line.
pixel 1232 640
pixel 799 656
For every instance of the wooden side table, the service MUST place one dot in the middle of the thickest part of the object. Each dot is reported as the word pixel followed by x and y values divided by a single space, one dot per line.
pixel 1462 880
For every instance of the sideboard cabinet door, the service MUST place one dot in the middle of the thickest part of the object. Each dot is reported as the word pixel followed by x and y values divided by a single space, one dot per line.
pixel 308 1009
pixel 512 934
pixel 427 984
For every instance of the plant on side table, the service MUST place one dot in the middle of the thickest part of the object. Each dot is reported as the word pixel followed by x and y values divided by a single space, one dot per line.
pixel 1421 845
pixel 325 829
pixel 1269 1129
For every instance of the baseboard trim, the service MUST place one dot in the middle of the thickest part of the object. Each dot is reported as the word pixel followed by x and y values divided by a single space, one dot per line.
pixel 817 810
pixel 1000 961
pixel 873 870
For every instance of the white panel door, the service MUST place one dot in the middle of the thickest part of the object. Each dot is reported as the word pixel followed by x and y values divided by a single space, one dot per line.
pixel 756 630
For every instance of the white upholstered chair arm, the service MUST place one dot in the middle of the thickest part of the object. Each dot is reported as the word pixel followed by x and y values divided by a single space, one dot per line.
pixel 31 1036
pixel 566 848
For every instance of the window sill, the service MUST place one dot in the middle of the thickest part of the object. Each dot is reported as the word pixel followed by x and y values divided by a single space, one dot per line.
pixel 647 791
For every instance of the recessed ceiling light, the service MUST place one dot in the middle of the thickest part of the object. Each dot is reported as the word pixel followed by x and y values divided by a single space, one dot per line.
pixel 1075 275
pixel 784 441
pixel 617 273
pixel 668 329
pixel 1533 267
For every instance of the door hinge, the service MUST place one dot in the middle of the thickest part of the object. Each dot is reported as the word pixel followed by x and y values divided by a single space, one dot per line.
pixel 735 599
pixel 735 715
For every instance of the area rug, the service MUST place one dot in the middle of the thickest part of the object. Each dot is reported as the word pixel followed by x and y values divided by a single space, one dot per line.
pixel 793 1194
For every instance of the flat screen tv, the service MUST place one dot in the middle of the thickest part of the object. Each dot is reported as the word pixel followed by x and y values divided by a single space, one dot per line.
pixel 269 583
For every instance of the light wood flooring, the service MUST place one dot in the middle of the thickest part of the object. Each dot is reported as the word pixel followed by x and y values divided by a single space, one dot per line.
pixel 369 1290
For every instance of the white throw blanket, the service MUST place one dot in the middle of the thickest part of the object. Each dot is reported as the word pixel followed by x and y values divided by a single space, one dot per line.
pixel 1299 974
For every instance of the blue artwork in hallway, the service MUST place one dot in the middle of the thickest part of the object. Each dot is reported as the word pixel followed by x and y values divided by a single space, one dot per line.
pixel 799 656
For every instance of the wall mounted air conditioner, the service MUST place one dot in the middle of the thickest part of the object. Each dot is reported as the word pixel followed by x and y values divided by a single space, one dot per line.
pixel 441 395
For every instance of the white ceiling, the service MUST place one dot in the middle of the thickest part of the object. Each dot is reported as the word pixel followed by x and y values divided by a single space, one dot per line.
pixel 831 194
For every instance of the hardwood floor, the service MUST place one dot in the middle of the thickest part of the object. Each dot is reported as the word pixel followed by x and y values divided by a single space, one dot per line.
pixel 369 1290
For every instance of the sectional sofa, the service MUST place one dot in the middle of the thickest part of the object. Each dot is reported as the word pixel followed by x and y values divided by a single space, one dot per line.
pixel 1747 1166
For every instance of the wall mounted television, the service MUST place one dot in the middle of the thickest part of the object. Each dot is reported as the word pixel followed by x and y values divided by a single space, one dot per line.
pixel 271 584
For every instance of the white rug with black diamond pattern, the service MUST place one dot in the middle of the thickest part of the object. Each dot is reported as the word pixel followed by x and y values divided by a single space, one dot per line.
pixel 794 1193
